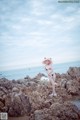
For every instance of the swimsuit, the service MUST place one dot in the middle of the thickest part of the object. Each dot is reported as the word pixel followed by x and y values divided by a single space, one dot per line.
pixel 50 72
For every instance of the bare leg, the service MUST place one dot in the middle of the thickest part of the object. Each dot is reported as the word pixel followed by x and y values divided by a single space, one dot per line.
pixel 53 88
pixel 52 80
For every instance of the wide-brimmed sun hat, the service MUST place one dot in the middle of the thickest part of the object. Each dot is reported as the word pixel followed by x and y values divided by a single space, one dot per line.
pixel 47 59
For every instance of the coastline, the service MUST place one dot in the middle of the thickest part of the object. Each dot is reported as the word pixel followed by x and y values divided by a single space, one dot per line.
pixel 32 72
pixel 29 99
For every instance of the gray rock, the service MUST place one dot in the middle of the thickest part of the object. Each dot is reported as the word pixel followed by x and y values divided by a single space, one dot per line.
pixel 74 72
pixel 57 111
pixel 38 77
pixel 27 77
pixel 19 105
pixel 63 83
pixel 72 87
pixel 42 114
pixel 6 83
pixel 65 111
pixel 3 91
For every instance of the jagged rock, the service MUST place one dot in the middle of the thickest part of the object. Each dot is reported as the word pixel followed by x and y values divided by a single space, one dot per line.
pixel 36 100
pixel 44 80
pixel 42 114
pixel 73 87
pixel 15 89
pixel 24 96
pixel 65 111
pixel 38 77
pixel 27 83
pixel 58 75
pixel 74 72
pixel 57 111
pixel 3 91
pixel 6 83
pixel 27 77
pixel 65 76
pixel 63 83
pixel 13 100
pixel 19 105
pixel 1 105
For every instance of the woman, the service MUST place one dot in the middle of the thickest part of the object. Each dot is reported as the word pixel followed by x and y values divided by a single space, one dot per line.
pixel 49 69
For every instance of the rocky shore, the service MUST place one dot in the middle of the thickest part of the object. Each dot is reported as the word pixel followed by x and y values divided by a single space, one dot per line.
pixel 28 99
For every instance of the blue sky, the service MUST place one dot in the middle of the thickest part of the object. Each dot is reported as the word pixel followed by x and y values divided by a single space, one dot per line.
pixel 33 29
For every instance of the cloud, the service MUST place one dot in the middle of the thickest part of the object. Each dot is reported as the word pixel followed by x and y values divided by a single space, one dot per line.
pixel 26 19
pixel 31 30
pixel 36 33
pixel 44 22
pixel 37 7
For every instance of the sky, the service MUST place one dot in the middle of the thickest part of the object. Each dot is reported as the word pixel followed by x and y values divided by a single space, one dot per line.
pixel 33 29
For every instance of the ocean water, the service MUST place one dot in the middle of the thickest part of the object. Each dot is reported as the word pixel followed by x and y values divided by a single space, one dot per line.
pixel 32 72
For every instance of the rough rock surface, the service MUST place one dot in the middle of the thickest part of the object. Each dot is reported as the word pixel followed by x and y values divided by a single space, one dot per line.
pixel 13 100
pixel 30 97
pixel 57 111
pixel 74 72
pixel 19 106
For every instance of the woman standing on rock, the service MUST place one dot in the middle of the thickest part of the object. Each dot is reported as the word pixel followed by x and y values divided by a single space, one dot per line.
pixel 51 75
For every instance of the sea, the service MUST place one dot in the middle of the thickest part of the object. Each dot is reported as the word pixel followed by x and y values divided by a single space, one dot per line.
pixel 32 72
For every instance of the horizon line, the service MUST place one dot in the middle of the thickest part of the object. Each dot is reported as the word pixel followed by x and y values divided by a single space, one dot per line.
pixel 24 66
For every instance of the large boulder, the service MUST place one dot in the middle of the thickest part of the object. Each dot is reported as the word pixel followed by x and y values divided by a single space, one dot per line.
pixel 38 77
pixel 63 83
pixel 3 91
pixel 65 111
pixel 57 111
pixel 6 83
pixel 19 106
pixel 42 114
pixel 26 82
pixel 73 87
pixel 15 102
pixel 74 72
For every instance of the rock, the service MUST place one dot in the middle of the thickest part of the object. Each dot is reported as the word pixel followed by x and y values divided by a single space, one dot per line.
pixel 30 97
pixel 14 101
pixel 57 111
pixel 39 115
pixel 65 111
pixel 36 100
pixel 74 72
pixel 3 91
pixel 44 80
pixel 26 82
pixel 15 89
pixel 42 114
pixel 1 105
pixel 58 75
pixel 19 105
pixel 27 77
pixel 76 103
pixel 38 77
pixel 73 87
pixel 63 83
pixel 6 83
pixel 63 76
